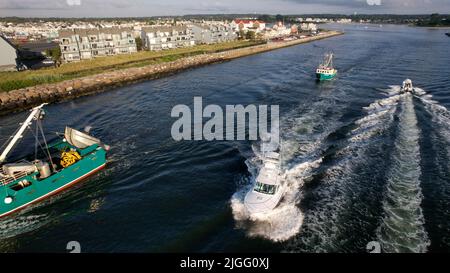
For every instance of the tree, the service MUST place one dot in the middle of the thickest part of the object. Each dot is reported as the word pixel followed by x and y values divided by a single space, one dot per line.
pixel 54 53
pixel 138 43
pixel 434 19
pixel 279 18
pixel 241 34
pixel 259 36
pixel 265 18
pixel 250 35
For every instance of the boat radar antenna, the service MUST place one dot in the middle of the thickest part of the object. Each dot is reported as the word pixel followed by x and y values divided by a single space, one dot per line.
pixel 35 114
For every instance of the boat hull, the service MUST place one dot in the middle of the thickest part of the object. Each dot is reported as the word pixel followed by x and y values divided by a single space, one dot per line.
pixel 42 189
pixel 324 77
pixel 258 204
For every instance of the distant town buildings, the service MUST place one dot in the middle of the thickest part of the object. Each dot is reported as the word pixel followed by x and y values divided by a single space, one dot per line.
pixel 213 32
pixel 278 30
pixel 81 44
pixel 87 39
pixel 8 55
pixel 308 27
pixel 344 21
pixel 166 37
pixel 248 25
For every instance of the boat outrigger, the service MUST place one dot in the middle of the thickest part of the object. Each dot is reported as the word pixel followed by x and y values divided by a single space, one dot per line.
pixel 59 165
pixel 326 71
pixel 268 187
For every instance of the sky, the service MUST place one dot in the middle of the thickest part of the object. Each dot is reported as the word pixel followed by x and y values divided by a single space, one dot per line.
pixel 133 8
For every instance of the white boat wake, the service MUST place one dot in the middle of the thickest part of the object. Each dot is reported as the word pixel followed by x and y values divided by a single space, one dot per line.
pixel 379 116
pixel 440 115
pixel 340 180
pixel 301 141
pixel 20 224
pixel 305 142
pixel 402 228
pixel 286 219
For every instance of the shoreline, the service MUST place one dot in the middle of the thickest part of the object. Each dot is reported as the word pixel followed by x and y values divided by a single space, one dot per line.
pixel 25 98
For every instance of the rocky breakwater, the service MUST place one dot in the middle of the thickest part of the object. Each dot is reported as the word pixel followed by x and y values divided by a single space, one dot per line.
pixel 20 99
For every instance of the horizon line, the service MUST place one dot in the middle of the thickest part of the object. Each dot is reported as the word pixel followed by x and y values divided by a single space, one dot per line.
pixel 227 14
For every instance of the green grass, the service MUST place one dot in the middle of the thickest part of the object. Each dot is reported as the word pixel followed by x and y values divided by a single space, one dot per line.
pixel 20 79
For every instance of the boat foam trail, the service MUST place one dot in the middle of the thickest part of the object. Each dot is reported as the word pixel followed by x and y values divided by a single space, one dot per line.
pixel 437 174
pixel 21 224
pixel 402 227
pixel 440 116
pixel 324 227
pixel 380 115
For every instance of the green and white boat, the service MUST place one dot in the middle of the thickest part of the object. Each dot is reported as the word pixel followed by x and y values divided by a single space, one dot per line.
pixel 54 167
pixel 326 71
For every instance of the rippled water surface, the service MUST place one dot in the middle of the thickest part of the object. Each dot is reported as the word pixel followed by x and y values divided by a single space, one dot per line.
pixel 362 162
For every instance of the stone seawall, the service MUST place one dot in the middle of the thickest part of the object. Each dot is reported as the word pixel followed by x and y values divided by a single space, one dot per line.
pixel 20 99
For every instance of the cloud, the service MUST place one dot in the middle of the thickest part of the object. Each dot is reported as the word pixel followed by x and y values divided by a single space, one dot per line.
pixel 374 2
pixel 124 8
pixel 32 4
pixel 73 2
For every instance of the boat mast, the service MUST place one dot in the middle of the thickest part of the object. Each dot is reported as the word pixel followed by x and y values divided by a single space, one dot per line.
pixel 330 62
pixel 35 112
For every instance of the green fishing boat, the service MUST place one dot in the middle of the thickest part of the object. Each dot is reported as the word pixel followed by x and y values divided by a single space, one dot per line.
pixel 326 71
pixel 54 167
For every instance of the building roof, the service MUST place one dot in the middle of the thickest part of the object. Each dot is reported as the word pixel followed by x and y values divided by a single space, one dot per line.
pixel 247 21
pixel 209 26
pixel 38 46
pixel 93 31
pixel 164 28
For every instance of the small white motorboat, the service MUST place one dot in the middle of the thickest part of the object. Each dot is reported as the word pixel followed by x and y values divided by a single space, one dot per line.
pixel 407 86
pixel 268 187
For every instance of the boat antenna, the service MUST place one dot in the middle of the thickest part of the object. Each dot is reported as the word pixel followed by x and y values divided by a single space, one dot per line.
pixel 35 113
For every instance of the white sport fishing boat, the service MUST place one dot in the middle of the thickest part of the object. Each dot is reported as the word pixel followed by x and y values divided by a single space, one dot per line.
pixel 268 187
pixel 407 86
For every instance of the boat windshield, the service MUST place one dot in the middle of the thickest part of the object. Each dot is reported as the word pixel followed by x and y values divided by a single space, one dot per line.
pixel 265 188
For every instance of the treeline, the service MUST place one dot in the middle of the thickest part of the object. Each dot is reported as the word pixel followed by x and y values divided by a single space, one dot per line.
pixel 420 20
pixel 435 20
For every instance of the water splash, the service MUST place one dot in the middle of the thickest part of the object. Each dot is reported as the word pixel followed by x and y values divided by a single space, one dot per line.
pixel 303 139
pixel 20 224
pixel 286 219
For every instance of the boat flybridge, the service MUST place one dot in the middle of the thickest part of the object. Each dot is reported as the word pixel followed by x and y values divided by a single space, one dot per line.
pixel 268 187
pixel 51 169
pixel 407 86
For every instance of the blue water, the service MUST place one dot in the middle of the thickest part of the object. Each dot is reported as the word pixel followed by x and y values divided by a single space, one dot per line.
pixel 355 174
